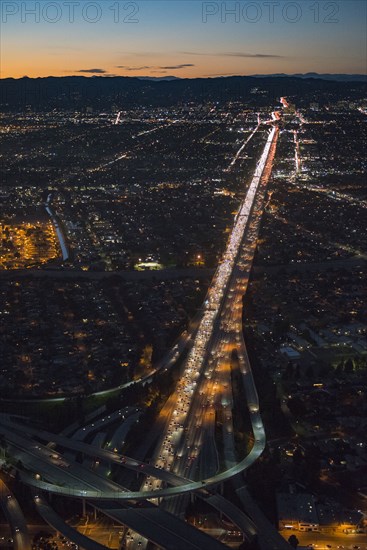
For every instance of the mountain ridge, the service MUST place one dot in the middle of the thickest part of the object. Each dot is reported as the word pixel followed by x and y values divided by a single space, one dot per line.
pixel 98 92
pixel 339 77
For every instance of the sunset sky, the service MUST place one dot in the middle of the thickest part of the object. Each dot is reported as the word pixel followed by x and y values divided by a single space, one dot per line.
pixel 182 38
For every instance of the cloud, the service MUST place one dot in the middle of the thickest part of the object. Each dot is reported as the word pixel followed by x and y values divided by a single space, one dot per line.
pixel 156 68
pixel 92 71
pixel 236 54
pixel 176 67
pixel 128 68
pixel 233 73
pixel 258 55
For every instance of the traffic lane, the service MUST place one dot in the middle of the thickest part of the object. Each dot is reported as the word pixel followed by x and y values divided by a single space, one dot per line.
pixel 334 540
pixel 239 518
pixel 48 455
pixel 220 283
pixel 208 458
pixel 268 536
pixel 15 517
pixel 163 529
pixel 54 467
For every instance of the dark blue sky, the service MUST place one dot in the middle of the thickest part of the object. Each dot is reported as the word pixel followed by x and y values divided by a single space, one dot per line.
pixel 182 37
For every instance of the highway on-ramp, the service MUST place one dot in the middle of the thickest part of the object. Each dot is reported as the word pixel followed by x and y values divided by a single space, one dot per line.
pixel 55 521
pixel 15 517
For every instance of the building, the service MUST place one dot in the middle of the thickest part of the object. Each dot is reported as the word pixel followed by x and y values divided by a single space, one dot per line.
pixel 290 353
pixel 297 511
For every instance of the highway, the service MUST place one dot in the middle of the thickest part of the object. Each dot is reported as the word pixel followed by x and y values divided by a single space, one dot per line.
pixel 269 537
pixel 169 360
pixel 213 392
pixel 185 444
pixel 62 471
pixel 55 521
pixel 59 231
pixel 20 435
pixel 297 160
pixel 120 415
pixel 235 158
pixel 186 457
pixel 196 367
pixel 15 517
pixel 161 528
pixel 183 437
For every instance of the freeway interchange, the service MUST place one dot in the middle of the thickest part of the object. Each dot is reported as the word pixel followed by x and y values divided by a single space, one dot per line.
pixel 185 459
pixel 224 295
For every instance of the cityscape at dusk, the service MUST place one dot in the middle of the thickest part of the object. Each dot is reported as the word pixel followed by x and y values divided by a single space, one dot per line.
pixel 183 249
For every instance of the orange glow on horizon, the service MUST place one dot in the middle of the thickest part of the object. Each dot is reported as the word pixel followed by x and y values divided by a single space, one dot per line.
pixel 45 63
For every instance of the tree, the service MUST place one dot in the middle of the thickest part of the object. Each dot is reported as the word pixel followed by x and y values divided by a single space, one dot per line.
pixel 310 372
pixel 348 367
pixel 3 443
pixel 296 406
pixel 293 541
pixel 297 373
pixel 280 327
pixel 339 368
pixel 297 456
pixel 289 371
pixel 276 455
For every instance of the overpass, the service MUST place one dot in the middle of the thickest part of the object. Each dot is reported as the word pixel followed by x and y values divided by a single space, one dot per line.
pixel 15 517
pixel 57 523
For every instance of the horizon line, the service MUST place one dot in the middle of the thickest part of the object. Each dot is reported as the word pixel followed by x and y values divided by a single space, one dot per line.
pixel 174 77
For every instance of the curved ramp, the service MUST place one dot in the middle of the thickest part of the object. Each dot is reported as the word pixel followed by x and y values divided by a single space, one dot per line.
pixel 161 528
pixel 55 521
pixel 15 517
